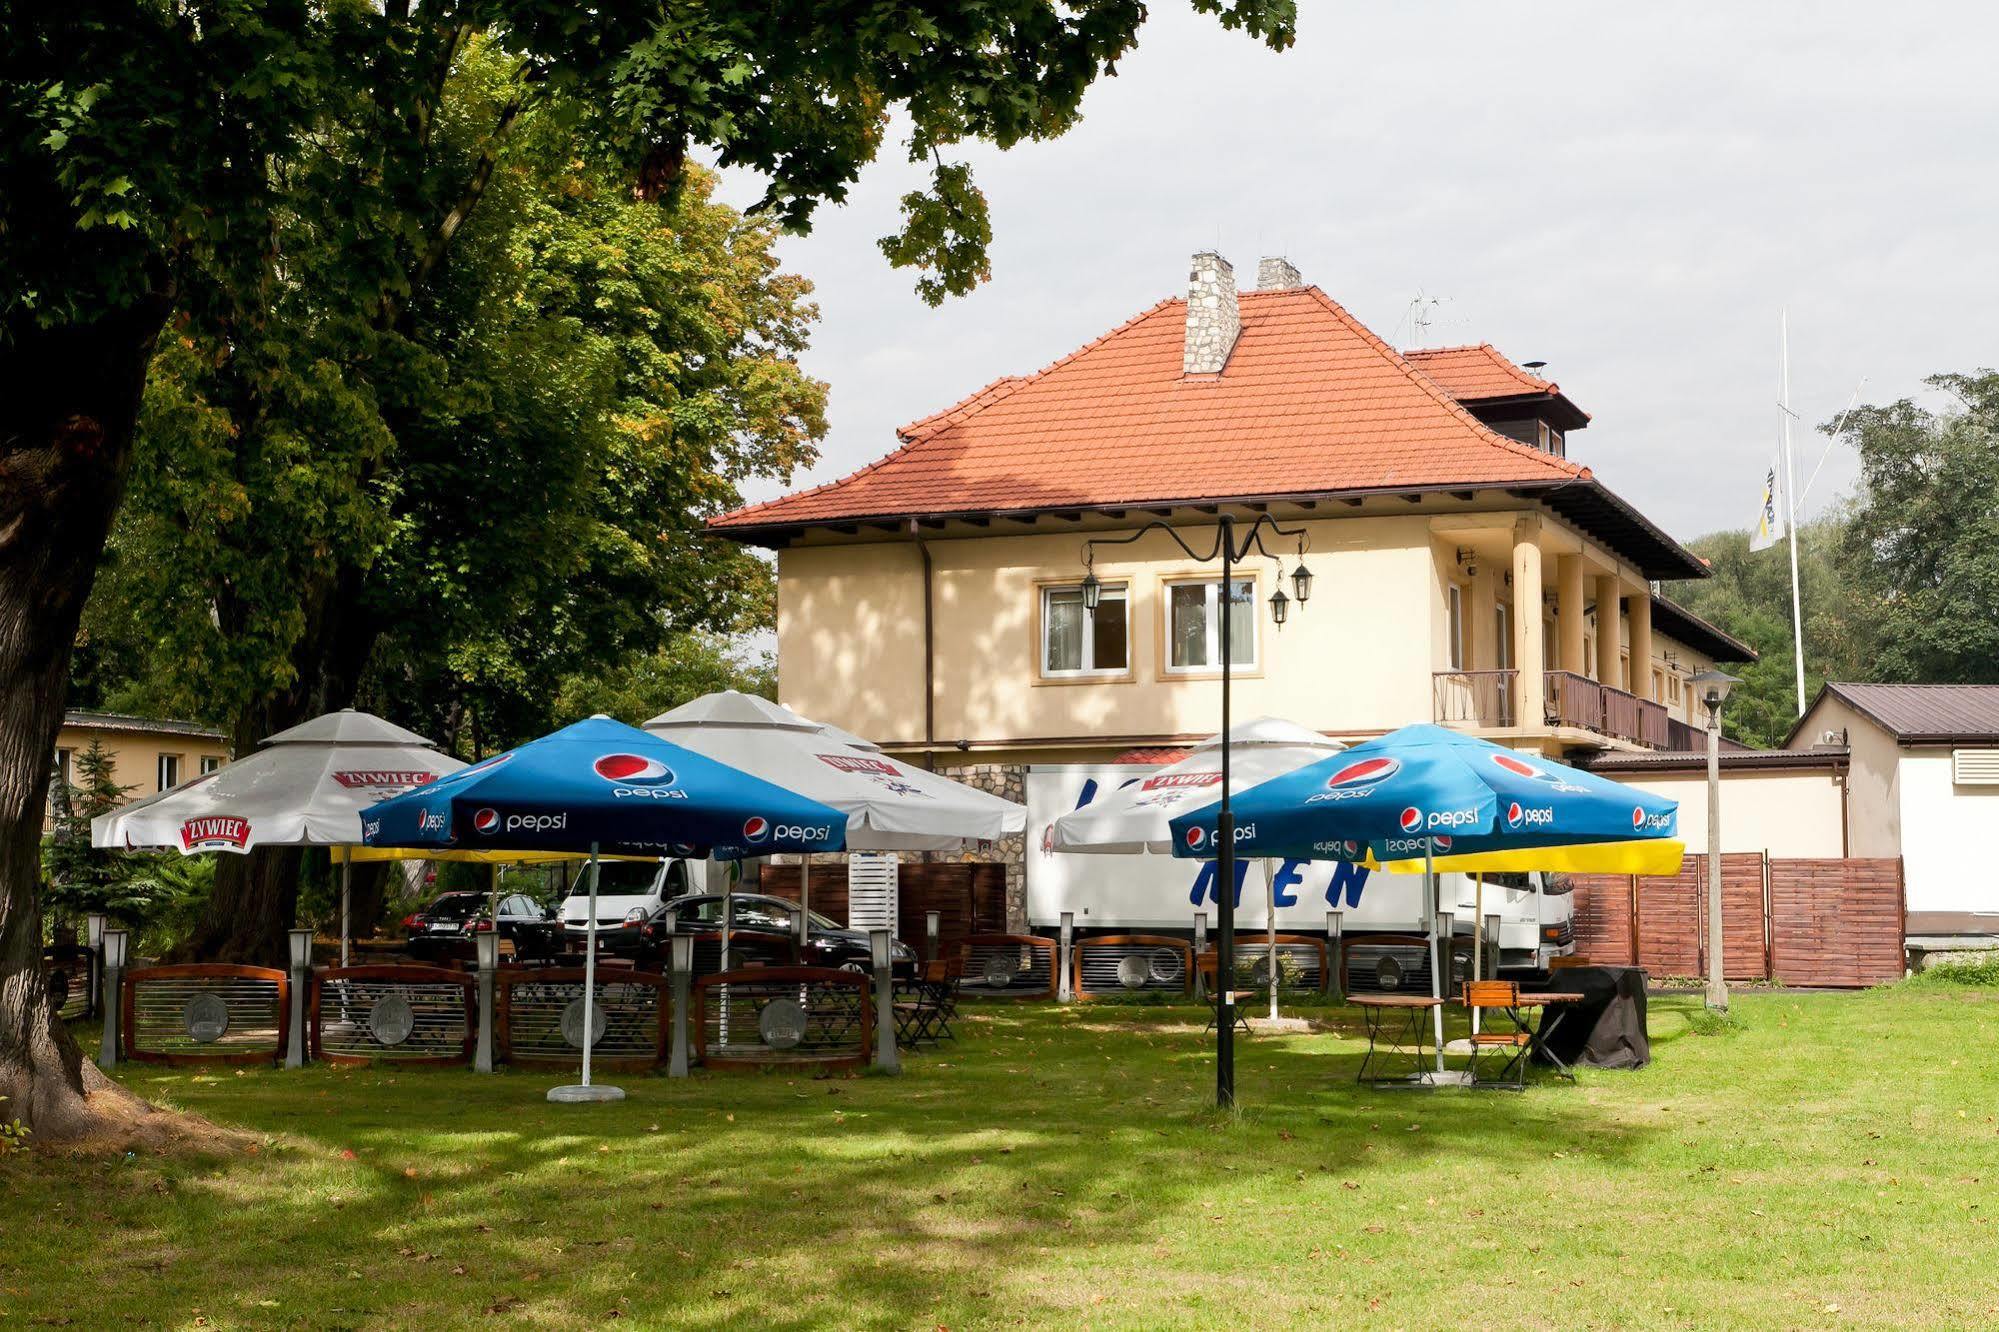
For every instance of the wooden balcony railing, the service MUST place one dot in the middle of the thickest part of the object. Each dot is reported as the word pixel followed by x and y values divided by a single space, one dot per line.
pixel 1485 698
pixel 1572 700
pixel 1653 731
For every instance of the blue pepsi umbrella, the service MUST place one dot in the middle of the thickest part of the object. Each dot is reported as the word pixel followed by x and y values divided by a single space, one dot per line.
pixel 1462 802
pixel 1428 798
pixel 604 787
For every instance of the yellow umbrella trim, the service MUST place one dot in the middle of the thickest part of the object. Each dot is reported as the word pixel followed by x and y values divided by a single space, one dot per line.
pixel 1651 856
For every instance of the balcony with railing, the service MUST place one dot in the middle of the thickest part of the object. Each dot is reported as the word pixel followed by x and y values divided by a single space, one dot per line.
pixel 1485 699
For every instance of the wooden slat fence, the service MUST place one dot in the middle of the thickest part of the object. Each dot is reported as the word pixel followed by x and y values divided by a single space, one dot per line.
pixel 1834 922
pixel 969 897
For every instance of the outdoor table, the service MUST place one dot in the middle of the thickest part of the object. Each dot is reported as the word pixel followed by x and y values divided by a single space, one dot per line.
pixel 1400 1022
pixel 1605 1027
pixel 1558 1004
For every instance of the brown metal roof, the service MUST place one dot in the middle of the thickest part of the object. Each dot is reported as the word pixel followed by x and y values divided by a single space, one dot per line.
pixel 1739 759
pixel 1915 713
pixel 1676 621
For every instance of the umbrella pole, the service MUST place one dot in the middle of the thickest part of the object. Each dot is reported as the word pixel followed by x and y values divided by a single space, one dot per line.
pixel 1477 937
pixel 1436 977
pixel 346 901
pixel 590 970
pixel 1270 932
pixel 804 904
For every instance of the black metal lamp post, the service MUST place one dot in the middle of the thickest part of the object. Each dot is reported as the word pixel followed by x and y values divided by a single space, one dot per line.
pixel 1229 549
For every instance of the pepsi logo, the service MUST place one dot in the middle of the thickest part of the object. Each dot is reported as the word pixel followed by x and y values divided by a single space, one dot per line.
pixel 1637 817
pixel 1412 819
pixel 1514 815
pixel 486 820
pixel 1196 836
pixel 633 769
pixel 1440 843
pixel 756 829
pixel 1366 772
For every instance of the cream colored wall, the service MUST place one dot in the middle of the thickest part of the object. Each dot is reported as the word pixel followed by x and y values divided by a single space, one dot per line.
pixel 135 756
pixel 1786 812
pixel 850 637
pixel 1874 772
pixel 850 642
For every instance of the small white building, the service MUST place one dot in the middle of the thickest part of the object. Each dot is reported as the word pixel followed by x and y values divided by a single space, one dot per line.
pixel 1923 784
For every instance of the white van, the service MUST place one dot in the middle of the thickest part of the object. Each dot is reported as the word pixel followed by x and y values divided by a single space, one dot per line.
pixel 628 893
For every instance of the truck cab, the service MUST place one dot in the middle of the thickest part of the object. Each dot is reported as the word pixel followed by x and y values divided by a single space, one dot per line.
pixel 629 892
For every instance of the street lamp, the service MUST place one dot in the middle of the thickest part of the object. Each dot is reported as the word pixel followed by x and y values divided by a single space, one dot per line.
pixel 1712 688
pixel 1230 549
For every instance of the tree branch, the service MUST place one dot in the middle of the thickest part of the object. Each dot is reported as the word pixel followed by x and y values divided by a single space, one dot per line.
pixel 468 198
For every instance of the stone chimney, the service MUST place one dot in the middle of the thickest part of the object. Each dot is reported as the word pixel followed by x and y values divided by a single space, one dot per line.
pixel 1213 320
pixel 1276 273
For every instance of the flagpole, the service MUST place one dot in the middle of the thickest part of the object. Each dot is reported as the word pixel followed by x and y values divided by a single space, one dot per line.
pixel 1791 512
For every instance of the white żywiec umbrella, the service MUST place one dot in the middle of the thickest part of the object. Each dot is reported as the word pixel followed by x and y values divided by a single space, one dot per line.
pixel 305 786
pixel 1135 818
pixel 890 806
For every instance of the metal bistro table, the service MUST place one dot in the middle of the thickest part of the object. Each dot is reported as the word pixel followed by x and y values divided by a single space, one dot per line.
pixel 1557 1005
pixel 1397 1028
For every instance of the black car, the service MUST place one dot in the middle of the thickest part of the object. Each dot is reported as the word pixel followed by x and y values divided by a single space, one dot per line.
pixel 444 930
pixel 765 930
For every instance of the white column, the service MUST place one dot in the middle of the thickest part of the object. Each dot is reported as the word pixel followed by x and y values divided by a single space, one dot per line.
pixel 1527 648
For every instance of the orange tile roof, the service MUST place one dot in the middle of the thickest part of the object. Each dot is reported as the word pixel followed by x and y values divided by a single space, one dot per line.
pixel 1478 372
pixel 1311 402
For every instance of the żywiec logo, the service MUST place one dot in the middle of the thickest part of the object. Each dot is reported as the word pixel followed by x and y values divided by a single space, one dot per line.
pixel 384 778
pixel 1180 781
pixel 638 777
pixel 218 833
pixel 859 763
pixel 1356 779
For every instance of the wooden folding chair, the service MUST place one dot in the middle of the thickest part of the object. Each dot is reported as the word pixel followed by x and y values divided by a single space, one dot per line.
pixel 1494 999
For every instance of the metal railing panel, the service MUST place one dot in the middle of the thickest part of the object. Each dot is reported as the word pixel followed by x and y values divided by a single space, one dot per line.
pixel 203 1012
pixel 406 1014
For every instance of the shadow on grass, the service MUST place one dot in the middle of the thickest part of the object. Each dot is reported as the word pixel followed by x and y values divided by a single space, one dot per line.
pixel 768 1199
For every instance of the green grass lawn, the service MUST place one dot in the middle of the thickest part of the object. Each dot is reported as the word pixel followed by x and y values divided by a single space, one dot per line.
pixel 1831 1162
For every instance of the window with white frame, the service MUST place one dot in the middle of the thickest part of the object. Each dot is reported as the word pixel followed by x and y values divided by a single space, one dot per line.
pixel 1502 637
pixel 169 771
pixel 1194 625
pixel 1078 641
pixel 210 763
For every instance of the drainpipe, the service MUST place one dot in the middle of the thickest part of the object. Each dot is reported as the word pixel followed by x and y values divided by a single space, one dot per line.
pixel 929 654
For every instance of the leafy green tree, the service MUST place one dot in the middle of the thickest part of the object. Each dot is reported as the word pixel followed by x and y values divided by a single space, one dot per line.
pixel 1923 543
pixel 81 878
pixel 1749 595
pixel 685 669
pixel 152 154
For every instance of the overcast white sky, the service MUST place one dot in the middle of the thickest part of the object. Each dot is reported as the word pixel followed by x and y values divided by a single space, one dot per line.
pixel 1631 193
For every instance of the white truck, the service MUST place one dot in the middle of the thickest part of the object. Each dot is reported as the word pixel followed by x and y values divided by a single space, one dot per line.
pixel 1154 894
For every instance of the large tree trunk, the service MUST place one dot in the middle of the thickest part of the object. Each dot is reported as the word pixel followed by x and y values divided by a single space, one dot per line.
pixel 71 401
pixel 256 896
